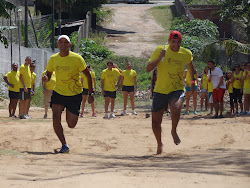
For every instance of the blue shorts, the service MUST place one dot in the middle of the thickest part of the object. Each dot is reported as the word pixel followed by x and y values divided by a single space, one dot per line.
pixel 189 88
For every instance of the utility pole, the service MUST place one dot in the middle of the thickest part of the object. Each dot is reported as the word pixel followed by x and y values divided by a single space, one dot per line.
pixel 53 26
pixel 26 24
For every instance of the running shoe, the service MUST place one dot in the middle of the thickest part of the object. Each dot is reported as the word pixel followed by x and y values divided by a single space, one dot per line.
pixel 221 116
pixel 186 113
pixel 94 115
pixel 243 113
pixel 236 113
pixel 45 116
pixel 64 149
pixel 195 113
pixel 112 115
pixel 105 116
pixel 124 113
pixel 248 113
pixel 27 116
pixel 134 112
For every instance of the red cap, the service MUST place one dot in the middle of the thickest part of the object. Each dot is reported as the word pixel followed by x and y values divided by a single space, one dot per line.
pixel 175 35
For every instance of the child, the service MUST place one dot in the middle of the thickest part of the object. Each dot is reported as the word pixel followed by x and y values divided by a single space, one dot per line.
pixel 229 86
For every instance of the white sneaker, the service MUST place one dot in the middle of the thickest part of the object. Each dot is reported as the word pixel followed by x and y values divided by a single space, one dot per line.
pixel 105 116
pixel 248 113
pixel 124 113
pixel 134 112
pixel 112 115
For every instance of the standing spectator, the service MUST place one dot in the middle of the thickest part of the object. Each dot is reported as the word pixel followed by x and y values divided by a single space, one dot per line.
pixel 204 88
pixel 84 82
pixel 67 92
pixel 12 80
pixel 108 85
pixel 187 79
pixel 246 88
pixel 237 88
pixel 25 89
pixel 229 86
pixel 48 88
pixel 170 61
pixel 128 83
pixel 33 81
pixel 210 97
pixel 215 75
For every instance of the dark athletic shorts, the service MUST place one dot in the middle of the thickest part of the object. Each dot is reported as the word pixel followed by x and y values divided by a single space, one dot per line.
pixel 128 88
pixel 237 95
pixel 14 95
pixel 111 94
pixel 85 91
pixel 71 103
pixel 161 101
pixel 24 95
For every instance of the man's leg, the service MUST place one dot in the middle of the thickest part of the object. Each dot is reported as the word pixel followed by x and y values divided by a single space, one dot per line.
pixel 188 93
pixel 132 97
pixel 106 105
pixel 112 104
pixel 156 126
pixel 84 99
pixel 13 106
pixel 216 108
pixel 221 107
pixel 57 112
pixel 125 99
pixel 22 107
pixel 195 100
pixel 71 119
pixel 175 107
pixel 27 106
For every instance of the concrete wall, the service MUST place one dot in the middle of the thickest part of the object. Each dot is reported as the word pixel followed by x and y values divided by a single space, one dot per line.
pixel 41 56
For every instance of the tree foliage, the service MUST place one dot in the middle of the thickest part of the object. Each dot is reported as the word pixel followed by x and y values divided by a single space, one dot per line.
pixel 5 6
pixel 71 9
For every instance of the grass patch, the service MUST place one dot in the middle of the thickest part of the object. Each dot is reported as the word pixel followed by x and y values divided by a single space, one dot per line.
pixel 103 15
pixel 163 15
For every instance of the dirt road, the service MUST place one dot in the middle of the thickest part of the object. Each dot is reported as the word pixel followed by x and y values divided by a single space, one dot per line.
pixel 132 31
pixel 120 153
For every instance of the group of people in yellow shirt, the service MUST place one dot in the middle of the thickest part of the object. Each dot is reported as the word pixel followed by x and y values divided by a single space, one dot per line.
pixel 238 86
pixel 21 87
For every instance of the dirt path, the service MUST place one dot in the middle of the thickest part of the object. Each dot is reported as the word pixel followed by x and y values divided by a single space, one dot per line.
pixel 120 153
pixel 132 31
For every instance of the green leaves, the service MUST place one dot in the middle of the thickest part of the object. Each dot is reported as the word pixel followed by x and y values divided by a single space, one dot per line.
pixel 89 49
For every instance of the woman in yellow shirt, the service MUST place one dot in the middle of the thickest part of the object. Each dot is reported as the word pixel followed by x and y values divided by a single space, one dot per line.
pixel 246 88
pixel 128 83
pixel 204 88
pixel 237 88
pixel 12 79
pixel 187 79
pixel 85 92
pixel 229 86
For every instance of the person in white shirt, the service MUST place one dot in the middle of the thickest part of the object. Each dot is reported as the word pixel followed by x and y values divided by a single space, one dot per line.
pixel 215 75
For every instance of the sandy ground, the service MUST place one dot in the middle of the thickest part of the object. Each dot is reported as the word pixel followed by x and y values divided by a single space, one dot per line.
pixel 132 31
pixel 120 153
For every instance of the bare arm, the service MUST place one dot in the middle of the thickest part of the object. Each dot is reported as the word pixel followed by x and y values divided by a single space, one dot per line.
pixel 102 86
pixel 93 80
pixel 121 82
pixel 135 81
pixel 153 64
pixel 7 82
pixel 89 78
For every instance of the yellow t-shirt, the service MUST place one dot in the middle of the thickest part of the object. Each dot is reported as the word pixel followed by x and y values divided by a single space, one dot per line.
pixel 33 78
pixel 85 81
pixel 128 77
pixel 67 70
pixel 247 80
pixel 210 87
pixel 205 81
pixel 52 82
pixel 13 77
pixel 170 70
pixel 237 81
pixel 110 79
pixel 25 72
pixel 188 79
pixel 230 87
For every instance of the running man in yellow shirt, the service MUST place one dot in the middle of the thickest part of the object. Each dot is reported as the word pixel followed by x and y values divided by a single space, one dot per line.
pixel 128 83
pixel 68 89
pixel 108 85
pixel 170 61
pixel 85 92
pixel 12 80
pixel 25 89
pixel 47 92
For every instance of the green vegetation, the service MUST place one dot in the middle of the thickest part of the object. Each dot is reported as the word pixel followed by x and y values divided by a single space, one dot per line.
pixel 103 15
pixel 163 15
pixel 201 2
